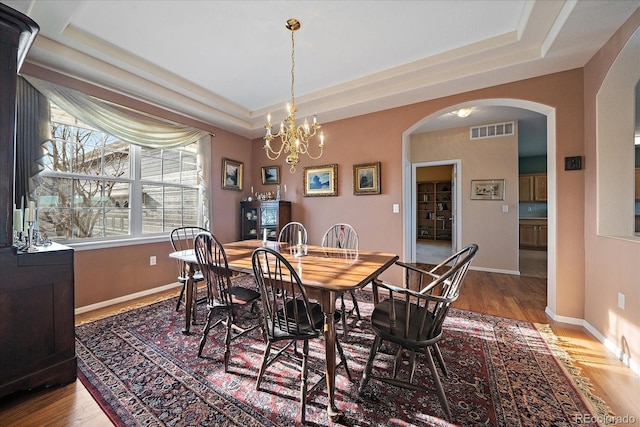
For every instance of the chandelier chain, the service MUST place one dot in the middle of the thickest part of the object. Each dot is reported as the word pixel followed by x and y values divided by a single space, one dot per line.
pixel 293 63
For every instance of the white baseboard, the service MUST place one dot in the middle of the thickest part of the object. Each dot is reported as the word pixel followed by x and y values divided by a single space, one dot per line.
pixel 621 355
pixel 494 270
pixel 125 298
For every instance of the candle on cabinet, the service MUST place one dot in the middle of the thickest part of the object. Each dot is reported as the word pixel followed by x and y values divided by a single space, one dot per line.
pixel 299 237
pixel 264 235
pixel 17 220
pixel 32 211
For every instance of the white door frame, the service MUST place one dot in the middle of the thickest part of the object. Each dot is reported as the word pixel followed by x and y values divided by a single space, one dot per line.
pixel 456 198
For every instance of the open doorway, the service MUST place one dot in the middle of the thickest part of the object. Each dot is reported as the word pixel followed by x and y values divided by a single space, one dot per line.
pixel 435 202
pixel 488 262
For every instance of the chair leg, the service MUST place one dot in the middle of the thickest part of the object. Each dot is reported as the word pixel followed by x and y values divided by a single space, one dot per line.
pixel 397 362
pixel 439 389
pixel 355 304
pixel 227 342
pixel 412 365
pixel 303 385
pixel 367 369
pixel 345 328
pixel 263 366
pixel 205 332
pixel 436 351
pixel 343 359
pixel 180 297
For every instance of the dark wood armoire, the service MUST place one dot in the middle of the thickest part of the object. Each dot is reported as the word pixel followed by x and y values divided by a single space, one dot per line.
pixel 37 341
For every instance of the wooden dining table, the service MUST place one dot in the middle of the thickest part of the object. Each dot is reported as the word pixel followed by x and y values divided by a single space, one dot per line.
pixel 326 273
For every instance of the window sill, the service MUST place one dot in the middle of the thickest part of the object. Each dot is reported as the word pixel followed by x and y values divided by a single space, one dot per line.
pixel 115 243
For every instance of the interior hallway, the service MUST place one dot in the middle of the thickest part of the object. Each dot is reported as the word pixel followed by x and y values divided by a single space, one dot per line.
pixel 532 263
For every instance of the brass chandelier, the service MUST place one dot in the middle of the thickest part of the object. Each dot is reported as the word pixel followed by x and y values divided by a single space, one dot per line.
pixel 294 138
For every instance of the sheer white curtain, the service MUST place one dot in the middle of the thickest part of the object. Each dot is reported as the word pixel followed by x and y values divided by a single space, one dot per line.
pixel 127 124
pixel 204 172
pixel 134 127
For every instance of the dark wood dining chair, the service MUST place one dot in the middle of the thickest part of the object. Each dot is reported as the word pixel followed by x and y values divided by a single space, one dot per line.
pixel 222 295
pixel 181 238
pixel 290 232
pixel 412 317
pixel 343 236
pixel 288 317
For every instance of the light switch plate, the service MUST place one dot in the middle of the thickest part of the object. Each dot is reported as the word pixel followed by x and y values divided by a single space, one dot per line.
pixel 396 208
pixel 621 300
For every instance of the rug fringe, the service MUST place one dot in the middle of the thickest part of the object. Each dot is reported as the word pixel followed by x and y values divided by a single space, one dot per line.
pixel 598 406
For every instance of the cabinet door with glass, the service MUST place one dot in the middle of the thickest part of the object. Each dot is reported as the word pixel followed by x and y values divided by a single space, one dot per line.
pixel 258 216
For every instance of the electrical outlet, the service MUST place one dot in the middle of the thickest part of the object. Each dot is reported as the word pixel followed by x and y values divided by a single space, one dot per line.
pixel 621 300
pixel 152 260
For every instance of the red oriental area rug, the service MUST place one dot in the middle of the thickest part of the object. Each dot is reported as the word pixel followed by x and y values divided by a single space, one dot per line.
pixel 143 371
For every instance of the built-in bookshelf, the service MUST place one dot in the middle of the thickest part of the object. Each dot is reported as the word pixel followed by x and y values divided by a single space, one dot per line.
pixel 434 209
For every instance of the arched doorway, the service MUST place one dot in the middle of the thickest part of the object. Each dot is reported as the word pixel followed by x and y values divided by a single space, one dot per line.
pixel 408 196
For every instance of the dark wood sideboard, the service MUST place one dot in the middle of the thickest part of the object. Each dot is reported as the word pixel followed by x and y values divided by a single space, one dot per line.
pixel 37 336
pixel 37 339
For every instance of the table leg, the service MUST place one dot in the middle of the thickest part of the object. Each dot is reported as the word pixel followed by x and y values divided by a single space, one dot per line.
pixel 328 307
pixel 188 304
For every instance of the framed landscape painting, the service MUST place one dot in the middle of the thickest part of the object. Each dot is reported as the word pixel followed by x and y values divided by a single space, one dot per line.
pixel 321 180
pixel 366 178
pixel 487 189
pixel 270 175
pixel 232 175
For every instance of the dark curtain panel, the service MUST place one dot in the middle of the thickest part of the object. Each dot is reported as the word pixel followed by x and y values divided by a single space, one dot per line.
pixel 33 128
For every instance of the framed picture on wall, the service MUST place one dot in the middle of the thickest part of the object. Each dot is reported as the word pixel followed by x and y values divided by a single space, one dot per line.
pixel 232 175
pixel 487 189
pixel 366 178
pixel 270 175
pixel 320 180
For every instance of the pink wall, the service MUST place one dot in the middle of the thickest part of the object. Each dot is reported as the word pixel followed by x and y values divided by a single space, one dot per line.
pixel 613 262
pixel 225 222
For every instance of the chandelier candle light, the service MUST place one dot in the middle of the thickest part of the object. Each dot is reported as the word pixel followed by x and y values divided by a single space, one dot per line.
pixel 294 139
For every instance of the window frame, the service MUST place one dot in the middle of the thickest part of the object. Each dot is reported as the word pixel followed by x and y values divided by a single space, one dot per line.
pixel 135 235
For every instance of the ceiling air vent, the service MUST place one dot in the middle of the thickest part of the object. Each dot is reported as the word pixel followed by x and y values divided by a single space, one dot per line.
pixel 491 131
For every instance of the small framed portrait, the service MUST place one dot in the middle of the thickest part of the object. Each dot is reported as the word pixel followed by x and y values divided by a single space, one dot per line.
pixel 321 180
pixel 487 189
pixel 270 175
pixel 366 178
pixel 232 175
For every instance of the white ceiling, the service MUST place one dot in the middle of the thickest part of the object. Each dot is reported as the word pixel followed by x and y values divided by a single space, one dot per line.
pixel 228 63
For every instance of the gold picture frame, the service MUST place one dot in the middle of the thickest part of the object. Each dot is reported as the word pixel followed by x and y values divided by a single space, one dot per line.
pixel 366 179
pixel 270 175
pixel 320 180
pixel 232 174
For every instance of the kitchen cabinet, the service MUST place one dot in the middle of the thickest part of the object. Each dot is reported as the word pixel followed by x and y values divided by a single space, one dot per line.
pixel 638 184
pixel 533 233
pixel 532 188
pixel 434 210
pixel 257 216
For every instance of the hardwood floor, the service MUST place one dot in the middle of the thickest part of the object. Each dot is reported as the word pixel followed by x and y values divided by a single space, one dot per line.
pixel 504 295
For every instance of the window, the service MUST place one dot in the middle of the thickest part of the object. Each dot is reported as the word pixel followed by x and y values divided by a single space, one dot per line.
pixel 95 186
